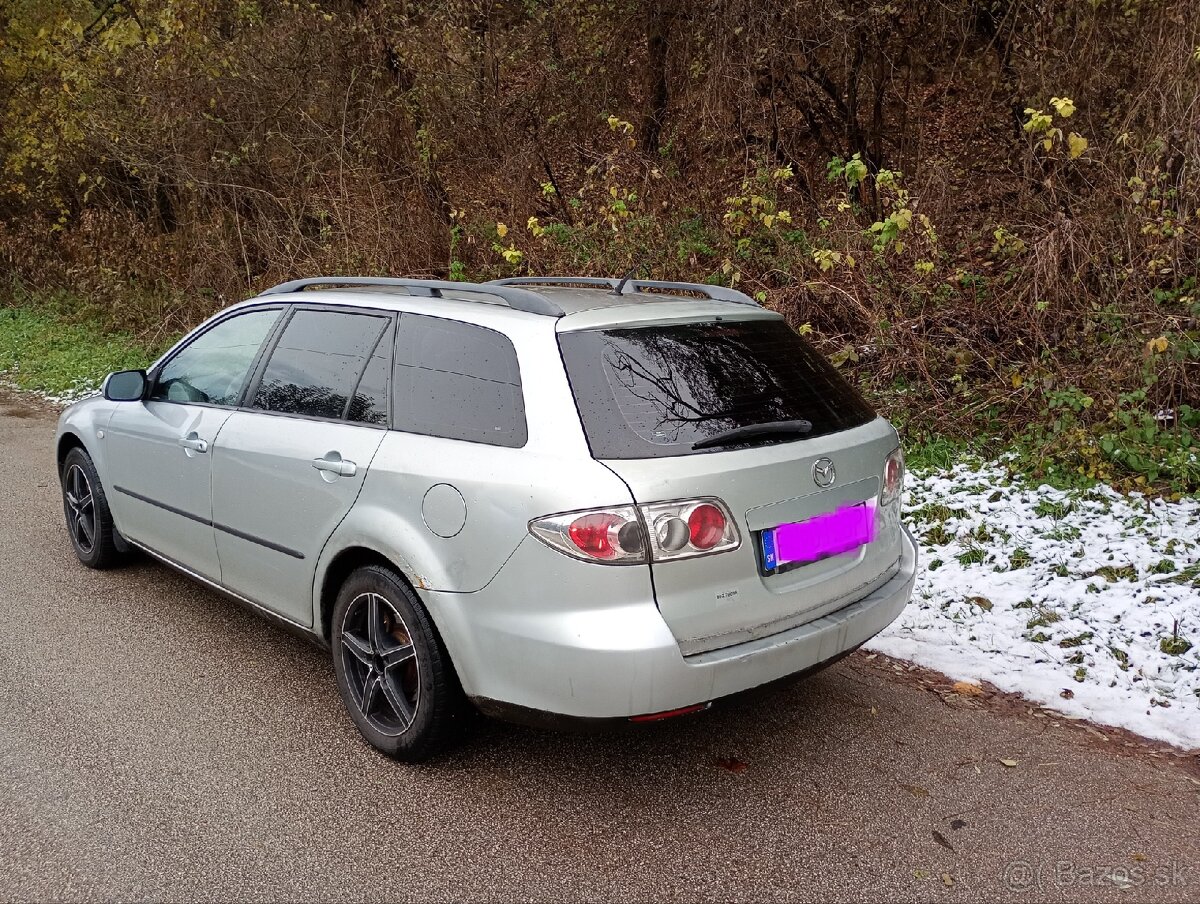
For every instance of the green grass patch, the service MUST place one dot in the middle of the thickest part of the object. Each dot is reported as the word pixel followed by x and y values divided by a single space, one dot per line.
pixel 932 452
pixel 42 351
pixel 1044 618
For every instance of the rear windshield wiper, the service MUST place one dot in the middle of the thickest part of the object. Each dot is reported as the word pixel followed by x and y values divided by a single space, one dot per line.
pixel 798 427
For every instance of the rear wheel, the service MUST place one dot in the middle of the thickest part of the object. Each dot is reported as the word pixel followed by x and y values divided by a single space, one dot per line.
pixel 393 672
pixel 89 522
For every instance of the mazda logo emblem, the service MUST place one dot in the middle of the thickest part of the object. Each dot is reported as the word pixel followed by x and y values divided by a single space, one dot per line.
pixel 823 472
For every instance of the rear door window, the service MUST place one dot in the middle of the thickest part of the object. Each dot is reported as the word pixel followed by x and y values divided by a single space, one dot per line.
pixel 655 391
pixel 457 380
pixel 317 366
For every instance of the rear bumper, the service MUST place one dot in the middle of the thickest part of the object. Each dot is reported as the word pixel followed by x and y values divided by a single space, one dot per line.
pixel 517 652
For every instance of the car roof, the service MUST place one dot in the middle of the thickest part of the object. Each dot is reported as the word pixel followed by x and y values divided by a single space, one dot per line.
pixel 574 306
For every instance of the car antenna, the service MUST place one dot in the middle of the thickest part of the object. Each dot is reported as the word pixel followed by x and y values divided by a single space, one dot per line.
pixel 620 286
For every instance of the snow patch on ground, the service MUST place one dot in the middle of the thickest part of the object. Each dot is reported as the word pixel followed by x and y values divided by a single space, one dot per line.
pixel 1082 601
pixel 81 390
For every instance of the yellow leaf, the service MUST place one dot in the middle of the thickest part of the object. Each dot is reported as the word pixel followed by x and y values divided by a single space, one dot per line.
pixel 501 230
pixel 1009 763
pixel 1017 381
pixel 1064 106
pixel 1076 144
pixel 826 259
pixel 1047 144
pixel 1158 345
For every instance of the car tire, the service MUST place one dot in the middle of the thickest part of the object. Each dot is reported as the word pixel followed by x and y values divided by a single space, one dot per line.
pixel 392 669
pixel 89 522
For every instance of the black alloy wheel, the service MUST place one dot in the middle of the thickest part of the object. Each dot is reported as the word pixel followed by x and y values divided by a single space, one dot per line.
pixel 89 522
pixel 393 671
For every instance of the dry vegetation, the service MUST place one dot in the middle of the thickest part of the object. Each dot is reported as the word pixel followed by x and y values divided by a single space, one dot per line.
pixel 987 210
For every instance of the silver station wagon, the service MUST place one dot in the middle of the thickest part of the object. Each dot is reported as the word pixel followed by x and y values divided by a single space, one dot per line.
pixel 554 499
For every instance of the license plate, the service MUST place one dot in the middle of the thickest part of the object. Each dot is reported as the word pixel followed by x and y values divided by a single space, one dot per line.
pixel 816 538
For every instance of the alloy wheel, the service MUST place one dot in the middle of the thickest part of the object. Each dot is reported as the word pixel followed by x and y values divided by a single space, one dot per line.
pixel 81 509
pixel 380 661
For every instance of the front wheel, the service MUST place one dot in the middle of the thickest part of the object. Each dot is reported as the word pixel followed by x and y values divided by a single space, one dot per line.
pixel 393 672
pixel 89 522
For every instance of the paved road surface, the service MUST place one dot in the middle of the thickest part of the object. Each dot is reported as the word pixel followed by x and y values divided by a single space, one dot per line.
pixel 156 741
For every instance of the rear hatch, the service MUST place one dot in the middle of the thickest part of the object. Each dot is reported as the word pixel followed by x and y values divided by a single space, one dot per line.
pixel 658 402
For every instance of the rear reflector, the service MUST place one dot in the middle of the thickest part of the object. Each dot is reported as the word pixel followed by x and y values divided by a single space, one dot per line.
pixel 671 713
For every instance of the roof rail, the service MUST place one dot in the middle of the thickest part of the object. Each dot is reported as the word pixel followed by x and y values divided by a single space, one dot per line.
pixel 630 287
pixel 518 299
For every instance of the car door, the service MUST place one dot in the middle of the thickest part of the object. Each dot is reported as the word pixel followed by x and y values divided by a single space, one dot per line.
pixel 159 450
pixel 289 465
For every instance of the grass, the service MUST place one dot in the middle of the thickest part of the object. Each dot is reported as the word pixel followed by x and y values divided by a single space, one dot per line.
pixel 43 351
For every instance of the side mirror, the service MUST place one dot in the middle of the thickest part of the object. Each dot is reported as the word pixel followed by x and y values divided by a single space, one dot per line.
pixel 125 386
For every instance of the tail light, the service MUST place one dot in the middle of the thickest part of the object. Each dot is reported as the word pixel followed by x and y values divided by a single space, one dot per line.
pixel 893 477
pixel 613 536
pixel 687 528
pixel 617 535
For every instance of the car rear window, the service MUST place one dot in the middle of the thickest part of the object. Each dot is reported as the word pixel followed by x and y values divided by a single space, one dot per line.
pixel 655 391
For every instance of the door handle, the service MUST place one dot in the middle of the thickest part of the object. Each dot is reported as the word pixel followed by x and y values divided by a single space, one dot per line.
pixel 194 443
pixel 337 466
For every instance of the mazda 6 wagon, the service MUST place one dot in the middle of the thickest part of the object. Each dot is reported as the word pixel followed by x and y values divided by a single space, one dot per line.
pixel 552 499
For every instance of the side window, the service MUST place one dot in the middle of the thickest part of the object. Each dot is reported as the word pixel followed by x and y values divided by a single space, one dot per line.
pixel 315 367
pixel 459 381
pixel 369 402
pixel 213 368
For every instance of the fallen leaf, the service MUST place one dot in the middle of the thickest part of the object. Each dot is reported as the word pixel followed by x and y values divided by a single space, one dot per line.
pixel 978 771
pixel 915 790
pixel 968 689
pixel 981 601
pixel 1066 693
pixel 946 880
pixel 957 824
pixel 733 764
pixel 920 874
pixel 1009 763
pixel 941 839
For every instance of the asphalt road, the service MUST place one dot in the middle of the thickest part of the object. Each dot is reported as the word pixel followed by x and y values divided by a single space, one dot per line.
pixel 157 741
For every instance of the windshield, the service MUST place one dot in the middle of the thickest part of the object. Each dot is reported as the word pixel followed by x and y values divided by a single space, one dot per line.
pixel 656 391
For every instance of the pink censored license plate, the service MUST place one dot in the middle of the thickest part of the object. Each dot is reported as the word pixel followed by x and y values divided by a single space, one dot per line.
pixel 846 529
